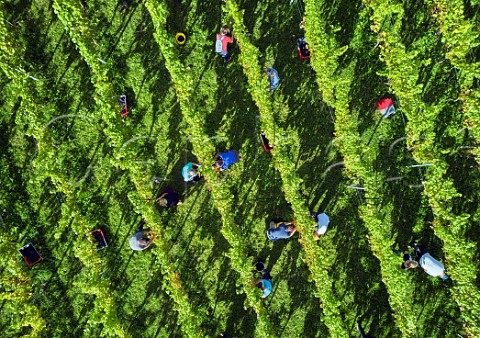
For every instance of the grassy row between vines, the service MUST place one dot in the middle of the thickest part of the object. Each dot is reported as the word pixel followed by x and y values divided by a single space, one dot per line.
pixel 440 189
pixel 318 258
pixel 116 186
pixel 72 17
pixel 126 160
pixel 359 159
pixel 194 116
pixel 88 280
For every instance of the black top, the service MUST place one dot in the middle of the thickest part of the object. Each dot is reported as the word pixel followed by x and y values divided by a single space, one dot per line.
pixel 406 257
pixel 172 199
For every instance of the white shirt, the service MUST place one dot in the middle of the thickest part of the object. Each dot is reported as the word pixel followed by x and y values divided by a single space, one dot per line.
pixel 322 221
pixel 431 265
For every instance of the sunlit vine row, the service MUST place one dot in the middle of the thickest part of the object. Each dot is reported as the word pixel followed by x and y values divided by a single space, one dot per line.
pixel 10 50
pixel 448 226
pixel 16 291
pixel 460 35
pixel 358 158
pixel 104 310
pixel 195 118
pixel 318 258
pixel 70 13
pixel 17 287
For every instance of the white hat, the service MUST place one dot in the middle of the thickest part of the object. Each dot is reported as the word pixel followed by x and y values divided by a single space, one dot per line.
pixel 322 220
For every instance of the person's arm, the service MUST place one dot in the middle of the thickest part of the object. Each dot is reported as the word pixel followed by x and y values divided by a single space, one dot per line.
pixel 256 281
pixel 162 196
pixel 216 158
pixel 150 241
pixel 294 228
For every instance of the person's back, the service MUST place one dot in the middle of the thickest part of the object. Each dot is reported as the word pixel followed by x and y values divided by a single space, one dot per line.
pixel 267 287
pixel 265 283
pixel 431 265
pixel 222 43
pixel 303 50
pixel 280 231
pixel 190 173
pixel 136 242
pixel 169 199
pixel 225 40
pixel 139 242
pixel 273 78
pixel 230 157
pixel 322 225
pixel 173 199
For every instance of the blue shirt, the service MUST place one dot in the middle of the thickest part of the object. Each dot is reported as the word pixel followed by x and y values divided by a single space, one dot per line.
pixel 278 233
pixel 274 79
pixel 186 168
pixel 268 287
pixel 228 158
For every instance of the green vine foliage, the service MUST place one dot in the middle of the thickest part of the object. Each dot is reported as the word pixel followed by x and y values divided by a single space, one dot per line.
pixel 327 50
pixel 223 198
pixel 461 36
pixel 73 18
pixel 359 163
pixel 104 311
pixel 317 258
pixel 16 292
pixel 449 227
pixel 87 292
pixel 88 280
pixel 11 50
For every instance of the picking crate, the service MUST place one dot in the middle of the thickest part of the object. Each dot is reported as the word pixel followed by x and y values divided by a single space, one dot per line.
pixel 30 254
pixel 99 238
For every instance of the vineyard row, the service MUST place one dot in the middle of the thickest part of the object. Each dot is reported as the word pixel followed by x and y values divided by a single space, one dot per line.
pixel 358 159
pixel 440 189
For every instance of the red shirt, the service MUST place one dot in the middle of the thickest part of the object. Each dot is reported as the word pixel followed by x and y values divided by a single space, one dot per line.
pixel 226 40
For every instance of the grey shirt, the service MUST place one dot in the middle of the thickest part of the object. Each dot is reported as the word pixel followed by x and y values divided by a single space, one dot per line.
pixel 134 242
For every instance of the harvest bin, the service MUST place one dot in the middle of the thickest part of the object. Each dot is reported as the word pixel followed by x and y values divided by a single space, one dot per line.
pixel 99 238
pixel 30 254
